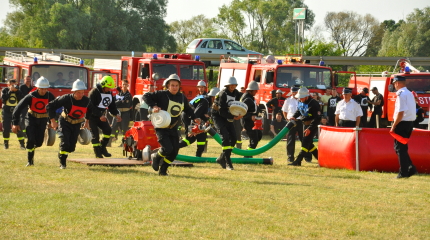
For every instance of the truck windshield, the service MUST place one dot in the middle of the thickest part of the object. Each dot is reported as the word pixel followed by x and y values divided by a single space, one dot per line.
pixel 192 72
pixel 312 78
pixel 8 73
pixel 59 76
pixel 419 84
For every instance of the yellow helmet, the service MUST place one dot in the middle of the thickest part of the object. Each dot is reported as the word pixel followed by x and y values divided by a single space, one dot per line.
pixel 107 81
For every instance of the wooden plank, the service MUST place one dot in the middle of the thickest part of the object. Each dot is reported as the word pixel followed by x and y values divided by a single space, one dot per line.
pixel 122 162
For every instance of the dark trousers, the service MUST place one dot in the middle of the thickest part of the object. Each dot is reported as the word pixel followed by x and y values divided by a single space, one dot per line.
pixel 226 131
pixel 70 135
pixel 291 139
pixel 123 125
pixel 308 146
pixel 254 137
pixel 238 128
pixel 35 128
pixel 168 139
pixel 347 123
pixel 22 119
pixel 7 124
pixel 144 114
pixel 372 122
pixel 331 120
pixel 201 139
pixel 363 119
pixel 404 129
pixel 95 123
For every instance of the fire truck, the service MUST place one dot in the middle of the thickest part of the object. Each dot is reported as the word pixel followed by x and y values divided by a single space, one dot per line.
pixel 54 67
pixel 154 68
pixel 416 81
pixel 281 74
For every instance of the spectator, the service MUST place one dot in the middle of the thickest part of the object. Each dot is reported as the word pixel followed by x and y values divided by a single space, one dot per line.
pixel 277 124
pixel 324 100
pixel 123 104
pixel 348 112
pixel 331 108
pixel 363 100
pixel 275 104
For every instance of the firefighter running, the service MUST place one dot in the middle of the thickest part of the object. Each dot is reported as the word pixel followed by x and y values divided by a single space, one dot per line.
pixel 248 119
pixel 69 123
pixel 101 99
pixel 37 116
pixel 10 96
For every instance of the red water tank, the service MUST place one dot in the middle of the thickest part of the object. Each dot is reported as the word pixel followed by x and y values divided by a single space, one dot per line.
pixel 144 134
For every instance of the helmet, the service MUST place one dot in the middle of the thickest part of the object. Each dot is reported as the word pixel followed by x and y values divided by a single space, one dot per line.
pixel 172 77
pixel 279 91
pixel 231 81
pixel 78 85
pixel 270 59
pixel 201 84
pixel 294 89
pixel 107 81
pixel 42 82
pixel 165 82
pixel 303 92
pixel 213 92
pixel 253 85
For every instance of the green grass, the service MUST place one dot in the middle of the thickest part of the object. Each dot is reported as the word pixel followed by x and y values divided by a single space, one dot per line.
pixel 205 202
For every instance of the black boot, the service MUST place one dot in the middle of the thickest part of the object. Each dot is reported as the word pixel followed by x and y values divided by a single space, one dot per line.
pixel 30 157
pixel 221 160
pixel 98 152
pixel 308 157
pixel 163 169
pixel 6 144
pixel 155 161
pixel 315 154
pixel 298 161
pixel 229 164
pixel 200 150
pixel 63 160
pixel 105 142
pixel 21 143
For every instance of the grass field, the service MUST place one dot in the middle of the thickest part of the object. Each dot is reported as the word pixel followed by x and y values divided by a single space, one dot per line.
pixel 205 202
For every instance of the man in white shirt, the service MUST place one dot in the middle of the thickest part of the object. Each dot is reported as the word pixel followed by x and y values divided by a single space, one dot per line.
pixel 348 111
pixel 404 117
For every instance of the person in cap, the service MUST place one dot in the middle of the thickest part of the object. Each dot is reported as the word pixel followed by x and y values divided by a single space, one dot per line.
pixel 223 120
pixel 331 108
pixel 37 116
pixel 248 119
pixel 174 102
pixel 404 117
pixel 348 112
pixel 143 106
pixel 123 104
pixel 102 100
pixel 10 96
pixel 76 109
pixel 308 109
pixel 289 109
pixel 363 100
pixel 200 105
pixel 275 104
pixel 376 107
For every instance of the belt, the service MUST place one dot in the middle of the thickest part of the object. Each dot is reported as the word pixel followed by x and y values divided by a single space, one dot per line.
pixel 71 120
pixel 173 125
pixel 123 109
pixel 38 115
pixel 346 120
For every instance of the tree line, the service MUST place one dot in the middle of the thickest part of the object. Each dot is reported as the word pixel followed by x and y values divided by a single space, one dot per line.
pixel 265 26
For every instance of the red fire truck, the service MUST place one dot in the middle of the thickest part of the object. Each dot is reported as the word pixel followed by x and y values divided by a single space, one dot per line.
pixel 282 74
pixel 416 81
pixel 18 65
pixel 155 68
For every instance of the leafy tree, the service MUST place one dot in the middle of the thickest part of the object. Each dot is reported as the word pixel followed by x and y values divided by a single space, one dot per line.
pixel 90 24
pixel 351 31
pixel 376 41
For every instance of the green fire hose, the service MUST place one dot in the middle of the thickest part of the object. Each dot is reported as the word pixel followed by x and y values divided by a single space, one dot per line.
pixel 191 159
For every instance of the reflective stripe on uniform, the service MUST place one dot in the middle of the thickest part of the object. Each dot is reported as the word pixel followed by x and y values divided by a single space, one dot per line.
pixel 201 143
pixel 106 136
pixel 304 149
pixel 6 139
pixel 250 148
pixel 97 144
pixel 186 141
pixel 31 150
pixel 21 138
pixel 313 149
pixel 238 141
pixel 227 147
pixel 64 152
pixel 167 161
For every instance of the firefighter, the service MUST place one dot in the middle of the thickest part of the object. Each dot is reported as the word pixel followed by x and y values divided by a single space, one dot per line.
pixel 123 104
pixel 363 100
pixel 25 88
pixel 37 116
pixel 348 112
pixel 223 120
pixel 276 103
pixel 101 99
pixel 308 109
pixel 75 108
pixel 200 105
pixel 174 102
pixel 10 96
pixel 249 118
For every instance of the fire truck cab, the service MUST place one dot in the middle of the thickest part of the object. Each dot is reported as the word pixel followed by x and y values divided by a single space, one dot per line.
pixel 154 68
pixel 416 81
pixel 281 74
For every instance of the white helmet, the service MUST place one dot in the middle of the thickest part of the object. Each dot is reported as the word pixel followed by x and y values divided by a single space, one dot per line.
pixel 279 91
pixel 172 77
pixel 78 85
pixel 42 82
pixel 253 85
pixel 165 82
pixel 231 81
pixel 201 84
pixel 303 92
pixel 213 92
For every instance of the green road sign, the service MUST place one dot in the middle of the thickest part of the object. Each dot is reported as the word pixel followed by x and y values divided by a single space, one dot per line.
pixel 299 13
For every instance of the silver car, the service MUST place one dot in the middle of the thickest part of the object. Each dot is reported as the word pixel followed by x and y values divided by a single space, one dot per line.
pixel 210 49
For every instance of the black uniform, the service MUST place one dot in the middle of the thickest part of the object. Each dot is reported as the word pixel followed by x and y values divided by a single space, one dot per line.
pixel 10 100
pixel 25 90
pixel 363 101
pixel 331 109
pixel 168 137
pixel 69 122
pixel 223 120
pixel 309 110
pixel 377 110
pixel 100 102
pixel 36 120
pixel 200 105
pixel 276 105
pixel 247 123
pixel 419 116
pixel 124 105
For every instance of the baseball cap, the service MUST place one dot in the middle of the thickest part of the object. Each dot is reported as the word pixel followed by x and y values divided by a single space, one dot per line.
pixel 347 90
pixel 365 90
pixel 399 78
